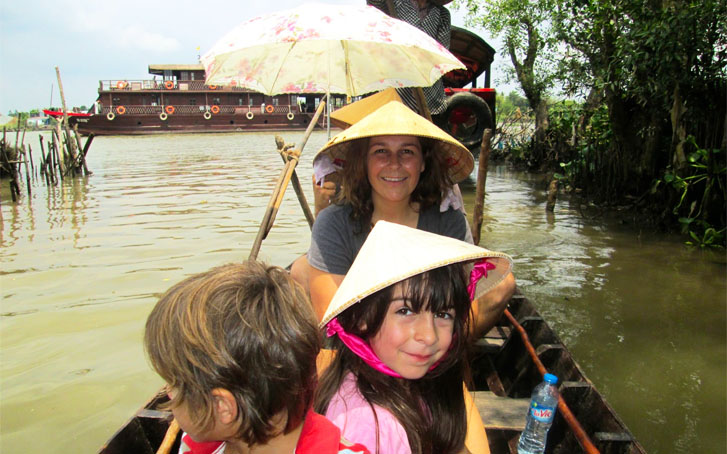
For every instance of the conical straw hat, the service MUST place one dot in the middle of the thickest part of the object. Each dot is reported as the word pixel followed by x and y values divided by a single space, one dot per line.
pixel 395 119
pixel 352 113
pixel 393 253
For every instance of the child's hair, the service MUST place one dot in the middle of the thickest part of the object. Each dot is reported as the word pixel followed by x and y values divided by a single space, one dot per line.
pixel 434 181
pixel 247 328
pixel 440 425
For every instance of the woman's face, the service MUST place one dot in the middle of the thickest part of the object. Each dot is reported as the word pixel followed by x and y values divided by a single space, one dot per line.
pixel 393 166
pixel 409 342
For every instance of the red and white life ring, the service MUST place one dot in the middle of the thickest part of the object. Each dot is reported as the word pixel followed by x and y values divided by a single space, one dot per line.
pixel 169 110
pixel 169 85
pixel 215 109
pixel 121 110
pixel 269 108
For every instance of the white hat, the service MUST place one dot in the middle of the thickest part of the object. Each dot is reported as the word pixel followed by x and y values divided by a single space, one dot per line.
pixel 393 253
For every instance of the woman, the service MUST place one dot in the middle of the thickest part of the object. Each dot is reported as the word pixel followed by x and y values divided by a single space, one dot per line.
pixel 395 166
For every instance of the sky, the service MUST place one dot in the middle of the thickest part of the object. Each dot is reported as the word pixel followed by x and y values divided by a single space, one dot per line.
pixel 93 40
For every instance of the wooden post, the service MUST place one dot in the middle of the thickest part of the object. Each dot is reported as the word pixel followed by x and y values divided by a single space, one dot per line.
pixel 71 149
pixel 82 151
pixel 481 180
pixel 27 172
pixel 552 195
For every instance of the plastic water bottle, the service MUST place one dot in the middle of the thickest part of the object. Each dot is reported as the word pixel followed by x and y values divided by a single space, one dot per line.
pixel 541 412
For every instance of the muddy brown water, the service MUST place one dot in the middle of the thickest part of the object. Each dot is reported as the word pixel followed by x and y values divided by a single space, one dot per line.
pixel 83 263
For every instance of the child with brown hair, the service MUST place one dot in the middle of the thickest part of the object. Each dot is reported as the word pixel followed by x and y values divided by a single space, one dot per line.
pixel 237 347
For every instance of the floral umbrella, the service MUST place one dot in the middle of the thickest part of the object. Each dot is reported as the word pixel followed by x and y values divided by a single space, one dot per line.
pixel 322 48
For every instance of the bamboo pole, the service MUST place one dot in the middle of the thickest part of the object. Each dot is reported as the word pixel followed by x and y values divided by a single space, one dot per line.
pixel 296 183
pixel 71 150
pixel 481 180
pixel 277 196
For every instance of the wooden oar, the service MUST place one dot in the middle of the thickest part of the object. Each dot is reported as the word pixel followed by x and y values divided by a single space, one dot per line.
pixel 277 196
pixel 283 150
pixel 480 191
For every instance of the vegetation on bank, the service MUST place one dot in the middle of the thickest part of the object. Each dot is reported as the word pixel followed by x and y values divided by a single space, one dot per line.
pixel 650 78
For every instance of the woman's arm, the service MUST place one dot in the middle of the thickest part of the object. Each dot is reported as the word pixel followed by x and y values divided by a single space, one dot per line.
pixel 322 286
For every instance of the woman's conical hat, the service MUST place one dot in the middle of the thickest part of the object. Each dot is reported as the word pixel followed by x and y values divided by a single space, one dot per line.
pixel 393 253
pixel 396 119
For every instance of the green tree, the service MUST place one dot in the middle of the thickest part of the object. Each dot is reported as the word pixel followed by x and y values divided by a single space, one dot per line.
pixel 531 45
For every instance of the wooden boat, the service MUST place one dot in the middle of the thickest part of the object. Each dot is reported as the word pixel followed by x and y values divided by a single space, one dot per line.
pixel 504 376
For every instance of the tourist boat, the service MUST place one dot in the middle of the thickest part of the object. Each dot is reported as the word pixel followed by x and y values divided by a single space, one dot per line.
pixel 176 99
pixel 505 370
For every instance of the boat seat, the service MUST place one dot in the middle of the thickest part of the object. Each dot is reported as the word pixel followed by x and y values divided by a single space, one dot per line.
pixel 493 341
pixel 502 413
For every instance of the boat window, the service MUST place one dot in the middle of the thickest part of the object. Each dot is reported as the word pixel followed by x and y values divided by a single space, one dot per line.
pixel 192 101
pixel 116 101
pixel 216 101
pixel 239 101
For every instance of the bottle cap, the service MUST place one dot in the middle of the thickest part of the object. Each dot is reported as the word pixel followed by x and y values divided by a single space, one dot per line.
pixel 550 378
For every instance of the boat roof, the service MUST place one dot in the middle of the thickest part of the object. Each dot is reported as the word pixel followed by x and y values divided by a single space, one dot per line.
pixel 159 69
pixel 474 52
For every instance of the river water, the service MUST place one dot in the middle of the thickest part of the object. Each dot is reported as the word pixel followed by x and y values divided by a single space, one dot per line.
pixel 83 263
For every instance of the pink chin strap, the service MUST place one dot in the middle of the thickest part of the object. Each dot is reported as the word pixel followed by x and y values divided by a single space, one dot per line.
pixel 478 272
pixel 360 347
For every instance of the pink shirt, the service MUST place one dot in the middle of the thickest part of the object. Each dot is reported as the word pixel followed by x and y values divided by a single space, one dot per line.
pixel 353 415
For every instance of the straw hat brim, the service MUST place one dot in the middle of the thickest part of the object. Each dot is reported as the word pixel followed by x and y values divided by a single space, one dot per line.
pixel 396 119
pixel 393 253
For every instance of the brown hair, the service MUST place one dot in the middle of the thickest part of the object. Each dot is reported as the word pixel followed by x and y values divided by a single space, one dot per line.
pixel 434 181
pixel 247 328
pixel 440 426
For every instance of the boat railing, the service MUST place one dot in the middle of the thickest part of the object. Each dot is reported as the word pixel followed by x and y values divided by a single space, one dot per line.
pixel 168 85
pixel 171 109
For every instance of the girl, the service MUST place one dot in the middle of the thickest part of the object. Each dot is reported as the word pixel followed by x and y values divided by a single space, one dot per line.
pixel 399 323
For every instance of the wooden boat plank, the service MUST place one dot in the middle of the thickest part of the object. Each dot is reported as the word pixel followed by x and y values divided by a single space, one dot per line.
pixel 501 413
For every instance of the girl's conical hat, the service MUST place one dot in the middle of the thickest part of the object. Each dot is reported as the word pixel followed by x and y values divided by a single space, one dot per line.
pixel 393 253
pixel 396 119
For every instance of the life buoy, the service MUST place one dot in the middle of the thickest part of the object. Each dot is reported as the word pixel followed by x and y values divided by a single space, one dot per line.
pixel 207 115
pixel 110 116
pixel 249 115
pixel 169 85
pixel 269 108
pixel 215 109
pixel 122 84
pixel 169 110
pixel 121 110
pixel 162 116
pixel 290 116
pixel 213 87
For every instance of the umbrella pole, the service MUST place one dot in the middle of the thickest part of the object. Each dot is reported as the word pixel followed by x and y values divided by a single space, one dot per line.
pixel 277 196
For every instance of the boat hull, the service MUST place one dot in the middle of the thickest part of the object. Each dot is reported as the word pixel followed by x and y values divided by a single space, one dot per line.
pixel 153 124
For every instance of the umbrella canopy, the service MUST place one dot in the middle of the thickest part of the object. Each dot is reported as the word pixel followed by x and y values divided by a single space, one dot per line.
pixel 322 48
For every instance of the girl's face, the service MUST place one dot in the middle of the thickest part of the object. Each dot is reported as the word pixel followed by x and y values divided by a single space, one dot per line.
pixel 408 342
pixel 393 165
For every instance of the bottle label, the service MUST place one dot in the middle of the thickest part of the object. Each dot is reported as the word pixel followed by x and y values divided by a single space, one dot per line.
pixel 541 413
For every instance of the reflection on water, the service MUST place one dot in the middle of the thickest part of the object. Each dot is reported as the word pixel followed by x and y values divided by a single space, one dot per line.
pixel 83 263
